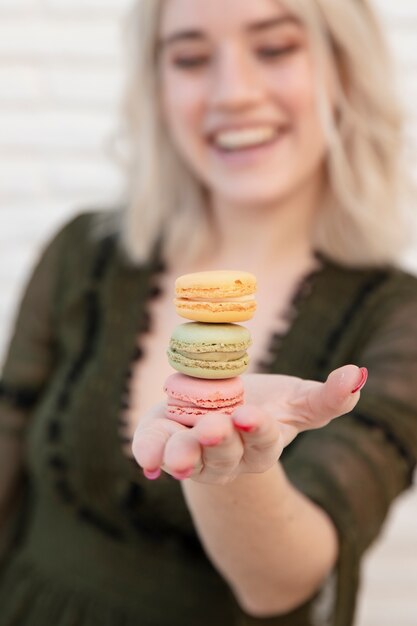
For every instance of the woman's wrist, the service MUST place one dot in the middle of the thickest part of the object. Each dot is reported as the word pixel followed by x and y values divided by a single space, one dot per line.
pixel 257 529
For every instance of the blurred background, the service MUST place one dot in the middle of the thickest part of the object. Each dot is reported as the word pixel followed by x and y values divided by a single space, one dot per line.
pixel 61 74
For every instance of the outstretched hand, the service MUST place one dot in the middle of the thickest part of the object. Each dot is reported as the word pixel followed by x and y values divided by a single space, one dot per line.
pixel 220 447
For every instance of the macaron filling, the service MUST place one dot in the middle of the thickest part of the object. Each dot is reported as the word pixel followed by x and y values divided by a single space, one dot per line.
pixel 174 410
pixel 218 363
pixel 199 346
pixel 211 305
pixel 236 299
pixel 206 405
pixel 212 356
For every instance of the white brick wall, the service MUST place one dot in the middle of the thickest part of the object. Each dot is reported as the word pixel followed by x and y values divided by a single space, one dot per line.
pixel 60 78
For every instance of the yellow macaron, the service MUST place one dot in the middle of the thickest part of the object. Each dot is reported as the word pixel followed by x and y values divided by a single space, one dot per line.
pixel 223 296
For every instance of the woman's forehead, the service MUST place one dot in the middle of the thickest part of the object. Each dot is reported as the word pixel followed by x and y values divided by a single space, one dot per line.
pixel 218 14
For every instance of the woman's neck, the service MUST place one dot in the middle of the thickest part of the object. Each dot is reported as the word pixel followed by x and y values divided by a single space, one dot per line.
pixel 254 238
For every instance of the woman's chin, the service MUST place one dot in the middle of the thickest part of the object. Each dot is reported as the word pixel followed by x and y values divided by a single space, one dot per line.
pixel 254 197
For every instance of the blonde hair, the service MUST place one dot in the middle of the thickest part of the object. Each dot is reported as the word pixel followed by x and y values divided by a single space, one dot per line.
pixel 360 222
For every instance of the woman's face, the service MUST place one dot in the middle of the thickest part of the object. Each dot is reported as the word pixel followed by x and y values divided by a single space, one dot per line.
pixel 238 97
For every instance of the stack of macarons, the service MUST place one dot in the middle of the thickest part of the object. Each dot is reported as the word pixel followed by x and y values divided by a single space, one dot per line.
pixel 210 352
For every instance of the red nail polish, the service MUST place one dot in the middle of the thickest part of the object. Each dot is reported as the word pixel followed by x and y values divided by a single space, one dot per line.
pixel 211 442
pixel 245 428
pixel 364 378
pixel 152 474
pixel 182 475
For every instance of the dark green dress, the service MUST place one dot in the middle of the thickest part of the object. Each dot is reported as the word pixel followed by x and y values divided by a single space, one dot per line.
pixel 93 542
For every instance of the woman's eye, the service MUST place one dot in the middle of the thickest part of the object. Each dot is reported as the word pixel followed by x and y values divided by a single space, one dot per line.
pixel 191 62
pixel 197 61
pixel 274 52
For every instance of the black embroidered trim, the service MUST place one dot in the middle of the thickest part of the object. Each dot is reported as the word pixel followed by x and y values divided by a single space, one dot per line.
pixel 132 502
pixel 92 322
pixel 57 461
pixel 368 288
pixel 87 515
pixel 63 488
pixel 19 397
pixel 54 430
pixel 302 292
pixel 157 266
pixel 125 441
pixel 137 354
pixel 133 497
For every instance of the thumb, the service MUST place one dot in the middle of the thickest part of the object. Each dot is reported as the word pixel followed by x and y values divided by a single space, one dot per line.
pixel 337 396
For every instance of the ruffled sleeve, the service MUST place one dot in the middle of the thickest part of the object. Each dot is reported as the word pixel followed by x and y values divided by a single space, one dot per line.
pixel 355 467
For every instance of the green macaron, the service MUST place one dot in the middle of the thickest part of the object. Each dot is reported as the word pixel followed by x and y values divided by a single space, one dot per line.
pixel 210 351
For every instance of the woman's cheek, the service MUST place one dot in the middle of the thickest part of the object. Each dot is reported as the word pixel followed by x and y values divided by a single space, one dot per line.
pixel 295 87
pixel 183 105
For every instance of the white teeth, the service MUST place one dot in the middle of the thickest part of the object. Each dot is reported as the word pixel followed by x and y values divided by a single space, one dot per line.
pixel 234 139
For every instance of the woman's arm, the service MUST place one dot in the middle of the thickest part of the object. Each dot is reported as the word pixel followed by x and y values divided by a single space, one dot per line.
pixel 272 544
pixel 352 470
pixel 28 365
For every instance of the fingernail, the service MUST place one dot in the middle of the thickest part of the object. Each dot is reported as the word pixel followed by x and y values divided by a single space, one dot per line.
pixel 183 475
pixel 246 428
pixel 152 474
pixel 361 383
pixel 211 442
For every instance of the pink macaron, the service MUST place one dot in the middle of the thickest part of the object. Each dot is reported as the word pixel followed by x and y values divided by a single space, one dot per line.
pixel 188 398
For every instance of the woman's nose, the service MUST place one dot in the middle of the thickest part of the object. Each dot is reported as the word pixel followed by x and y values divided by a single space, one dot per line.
pixel 235 81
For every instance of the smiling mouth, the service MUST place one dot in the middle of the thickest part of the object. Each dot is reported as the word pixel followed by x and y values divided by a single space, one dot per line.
pixel 245 139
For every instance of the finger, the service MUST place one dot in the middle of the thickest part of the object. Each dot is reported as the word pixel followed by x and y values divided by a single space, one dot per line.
pixel 336 397
pixel 261 436
pixel 213 428
pixel 222 447
pixel 148 447
pixel 182 455
pixel 257 427
pixel 322 402
pixel 150 439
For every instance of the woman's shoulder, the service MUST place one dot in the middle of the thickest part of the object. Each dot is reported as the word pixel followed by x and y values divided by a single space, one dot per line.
pixel 84 236
pixel 89 227
pixel 80 247
pixel 390 281
pixel 365 299
pixel 397 285
pixel 401 277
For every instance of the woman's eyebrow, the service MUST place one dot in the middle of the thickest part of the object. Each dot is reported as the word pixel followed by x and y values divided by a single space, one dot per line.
pixel 182 35
pixel 198 35
pixel 281 20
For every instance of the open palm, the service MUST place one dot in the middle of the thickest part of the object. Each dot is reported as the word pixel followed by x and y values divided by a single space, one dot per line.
pixel 220 447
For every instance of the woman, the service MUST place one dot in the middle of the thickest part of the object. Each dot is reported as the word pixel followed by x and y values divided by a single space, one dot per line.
pixel 264 139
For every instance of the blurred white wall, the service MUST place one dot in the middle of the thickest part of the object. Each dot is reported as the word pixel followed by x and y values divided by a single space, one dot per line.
pixel 60 79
